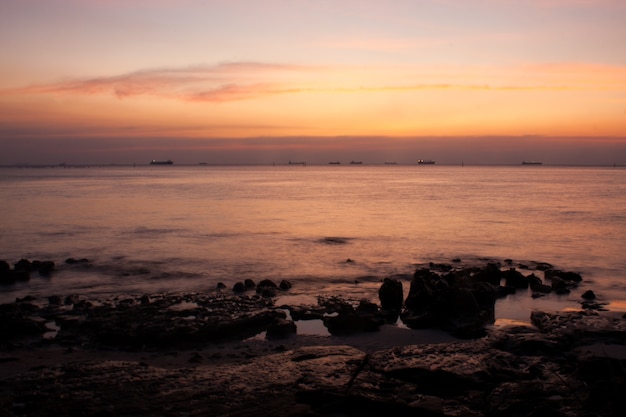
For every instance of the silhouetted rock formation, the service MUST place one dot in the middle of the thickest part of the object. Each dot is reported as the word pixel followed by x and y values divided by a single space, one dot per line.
pixel 391 297
pixel 569 365
pixel 22 269
pixel 457 304
pixel 345 319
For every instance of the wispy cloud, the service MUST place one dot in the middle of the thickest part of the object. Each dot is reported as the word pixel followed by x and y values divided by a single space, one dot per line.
pixel 249 80
pixel 223 82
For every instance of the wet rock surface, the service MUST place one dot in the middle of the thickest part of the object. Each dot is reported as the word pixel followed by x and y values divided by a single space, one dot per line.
pixel 571 364
pixel 199 354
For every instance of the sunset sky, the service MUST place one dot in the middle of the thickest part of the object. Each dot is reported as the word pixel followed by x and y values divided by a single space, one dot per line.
pixel 258 81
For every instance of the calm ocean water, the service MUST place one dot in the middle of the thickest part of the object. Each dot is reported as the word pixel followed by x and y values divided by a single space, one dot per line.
pixel 177 228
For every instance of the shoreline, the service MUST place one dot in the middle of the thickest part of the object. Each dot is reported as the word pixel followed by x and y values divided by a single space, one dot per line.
pixel 563 364
pixel 257 351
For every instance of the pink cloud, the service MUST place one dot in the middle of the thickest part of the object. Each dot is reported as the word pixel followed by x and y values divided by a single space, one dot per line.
pixel 251 80
pixel 223 82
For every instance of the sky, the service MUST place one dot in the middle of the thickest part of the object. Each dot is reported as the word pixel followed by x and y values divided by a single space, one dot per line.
pixel 262 81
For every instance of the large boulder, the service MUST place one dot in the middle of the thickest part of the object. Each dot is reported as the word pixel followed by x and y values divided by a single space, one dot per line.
pixel 391 296
pixel 514 278
pixel 491 273
pixel 267 288
pixel 16 321
pixel 462 307
pixel 6 274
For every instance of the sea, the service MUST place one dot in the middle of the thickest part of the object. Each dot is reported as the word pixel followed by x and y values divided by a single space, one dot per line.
pixel 331 230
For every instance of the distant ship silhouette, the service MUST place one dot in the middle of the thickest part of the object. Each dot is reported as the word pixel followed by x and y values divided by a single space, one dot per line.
pixel 155 162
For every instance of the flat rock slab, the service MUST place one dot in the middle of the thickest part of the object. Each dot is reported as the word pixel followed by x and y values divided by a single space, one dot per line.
pixel 265 386
pixel 570 365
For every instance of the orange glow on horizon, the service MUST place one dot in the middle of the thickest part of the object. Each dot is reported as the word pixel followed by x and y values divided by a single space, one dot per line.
pixel 249 99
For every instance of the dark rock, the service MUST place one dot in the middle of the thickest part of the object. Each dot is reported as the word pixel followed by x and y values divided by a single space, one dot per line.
pixel 335 305
pixel 341 318
pixel 543 266
pixel 515 279
pixel 542 289
pixel 267 292
pixel 16 321
pixel 534 281
pixel 21 275
pixel 156 325
pixel 592 305
pixel 421 292
pixel 503 291
pixel 335 240
pixel 463 307
pixel 281 329
pixel 582 325
pixel 249 284
pixel 55 300
pixel 466 317
pixel 440 267
pixel 7 279
pixel 267 283
pixel 352 322
pixel 568 365
pixel 71 299
pixel 239 287
pixel 44 268
pixel 306 312
pixel 23 265
pixel 391 296
pixel 367 307
pixel 285 285
pixel 490 273
pixel 73 261
pixel 220 286
pixel 267 288
pixel 569 277
pixel 559 285
pixel 589 295
pixel 6 274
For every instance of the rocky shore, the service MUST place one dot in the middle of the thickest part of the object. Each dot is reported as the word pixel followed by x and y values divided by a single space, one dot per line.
pixel 235 352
